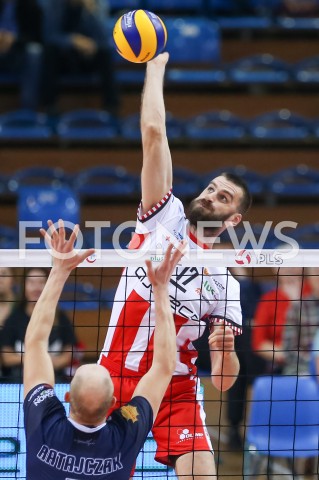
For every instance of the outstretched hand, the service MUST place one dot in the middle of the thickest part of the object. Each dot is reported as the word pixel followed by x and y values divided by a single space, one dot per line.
pixel 161 274
pixel 159 60
pixel 63 253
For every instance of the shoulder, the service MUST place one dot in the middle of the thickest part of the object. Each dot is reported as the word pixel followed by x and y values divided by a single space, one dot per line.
pixel 42 400
pixel 137 410
pixel 39 393
pixel 168 203
pixel 227 282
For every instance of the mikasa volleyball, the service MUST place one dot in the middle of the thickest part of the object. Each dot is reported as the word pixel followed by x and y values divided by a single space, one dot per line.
pixel 139 36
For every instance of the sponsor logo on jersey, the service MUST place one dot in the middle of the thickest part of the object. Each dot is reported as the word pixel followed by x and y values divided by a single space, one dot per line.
pixel 178 235
pixel 218 284
pixel 129 412
pixel 88 442
pixel 184 434
pixel 43 396
pixel 208 288
pixel 37 390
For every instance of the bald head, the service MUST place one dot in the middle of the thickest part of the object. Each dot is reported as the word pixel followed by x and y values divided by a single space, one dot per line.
pixel 91 394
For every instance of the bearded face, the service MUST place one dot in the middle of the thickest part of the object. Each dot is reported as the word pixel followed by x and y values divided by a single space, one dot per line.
pixel 202 210
pixel 217 205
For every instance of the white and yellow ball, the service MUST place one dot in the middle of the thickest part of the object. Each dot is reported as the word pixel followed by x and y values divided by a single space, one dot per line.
pixel 139 36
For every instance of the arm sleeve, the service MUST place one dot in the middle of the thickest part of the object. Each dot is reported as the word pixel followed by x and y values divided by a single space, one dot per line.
pixel 165 219
pixel 41 404
pixel 167 209
pixel 228 309
pixel 136 418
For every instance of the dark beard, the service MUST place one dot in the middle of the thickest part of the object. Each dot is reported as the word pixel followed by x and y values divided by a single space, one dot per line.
pixel 196 213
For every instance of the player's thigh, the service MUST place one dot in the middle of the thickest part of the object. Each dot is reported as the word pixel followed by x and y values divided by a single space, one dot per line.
pixel 180 428
pixel 196 466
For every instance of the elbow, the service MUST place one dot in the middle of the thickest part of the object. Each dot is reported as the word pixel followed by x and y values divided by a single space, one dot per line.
pixel 33 341
pixel 152 132
pixel 170 367
pixel 173 367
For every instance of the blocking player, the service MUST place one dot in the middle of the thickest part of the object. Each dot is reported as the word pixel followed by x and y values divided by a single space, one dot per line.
pixel 197 295
pixel 84 444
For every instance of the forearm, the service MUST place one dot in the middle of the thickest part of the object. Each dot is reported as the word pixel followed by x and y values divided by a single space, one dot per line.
pixel 165 332
pixel 153 107
pixel 156 154
pixel 43 315
pixel 225 369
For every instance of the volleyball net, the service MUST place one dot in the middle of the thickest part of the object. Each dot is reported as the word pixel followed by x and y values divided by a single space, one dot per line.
pixel 280 307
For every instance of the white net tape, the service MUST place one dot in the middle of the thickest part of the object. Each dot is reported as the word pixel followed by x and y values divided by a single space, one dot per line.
pixel 204 258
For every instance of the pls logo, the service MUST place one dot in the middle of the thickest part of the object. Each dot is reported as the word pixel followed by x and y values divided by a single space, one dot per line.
pixel 243 257
pixel 247 257
pixel 91 258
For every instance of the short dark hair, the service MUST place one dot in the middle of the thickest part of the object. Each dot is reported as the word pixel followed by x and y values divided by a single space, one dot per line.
pixel 246 200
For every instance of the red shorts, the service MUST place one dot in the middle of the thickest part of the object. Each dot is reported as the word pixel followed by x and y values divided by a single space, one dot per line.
pixel 179 427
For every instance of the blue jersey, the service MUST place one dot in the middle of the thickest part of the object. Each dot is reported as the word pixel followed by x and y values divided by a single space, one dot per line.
pixel 60 449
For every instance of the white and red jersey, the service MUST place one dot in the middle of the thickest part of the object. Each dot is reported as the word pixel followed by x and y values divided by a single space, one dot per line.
pixel 198 295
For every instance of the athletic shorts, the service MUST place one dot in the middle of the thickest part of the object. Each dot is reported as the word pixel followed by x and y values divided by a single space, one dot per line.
pixel 179 427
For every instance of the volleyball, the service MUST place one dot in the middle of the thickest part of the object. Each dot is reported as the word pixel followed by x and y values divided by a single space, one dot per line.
pixel 139 36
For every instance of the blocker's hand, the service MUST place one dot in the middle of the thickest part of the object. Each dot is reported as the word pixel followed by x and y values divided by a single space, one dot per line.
pixel 161 274
pixel 63 253
pixel 159 61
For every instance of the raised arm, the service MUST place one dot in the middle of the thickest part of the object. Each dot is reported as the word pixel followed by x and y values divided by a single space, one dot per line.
pixel 38 367
pixel 157 163
pixel 155 382
pixel 225 364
